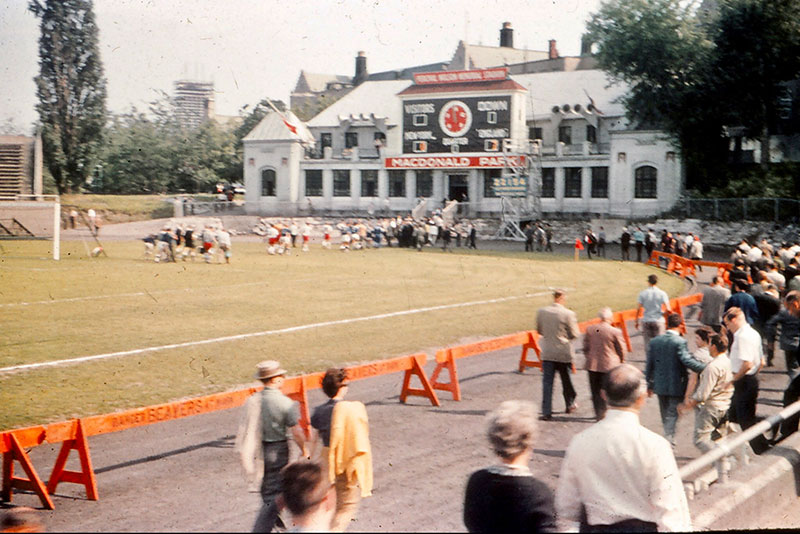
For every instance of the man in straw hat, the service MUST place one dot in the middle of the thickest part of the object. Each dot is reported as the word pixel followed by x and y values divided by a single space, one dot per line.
pixel 269 418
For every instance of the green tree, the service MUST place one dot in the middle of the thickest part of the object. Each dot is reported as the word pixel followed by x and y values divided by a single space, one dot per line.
pixel 757 49
pixel 693 78
pixel 153 153
pixel 71 90
pixel 658 48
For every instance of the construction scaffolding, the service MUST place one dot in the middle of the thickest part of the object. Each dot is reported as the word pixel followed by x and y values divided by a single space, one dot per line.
pixel 525 170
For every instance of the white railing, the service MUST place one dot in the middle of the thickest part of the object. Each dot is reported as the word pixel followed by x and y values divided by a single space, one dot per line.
pixel 736 446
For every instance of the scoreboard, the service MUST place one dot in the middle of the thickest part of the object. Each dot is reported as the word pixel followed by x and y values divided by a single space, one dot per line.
pixel 458 124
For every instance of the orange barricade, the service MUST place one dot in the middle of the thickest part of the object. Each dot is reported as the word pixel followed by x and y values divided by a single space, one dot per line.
pixel 73 434
pixel 297 387
pixel 445 358
pixel 14 444
pixel 85 476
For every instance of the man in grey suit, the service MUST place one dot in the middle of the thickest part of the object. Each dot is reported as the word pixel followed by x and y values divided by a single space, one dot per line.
pixel 713 303
pixel 667 359
pixel 558 326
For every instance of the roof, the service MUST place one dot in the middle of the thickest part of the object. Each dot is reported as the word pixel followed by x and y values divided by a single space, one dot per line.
pixel 548 89
pixel 502 85
pixel 272 128
pixel 469 56
pixel 408 73
pixel 316 83
pixel 378 98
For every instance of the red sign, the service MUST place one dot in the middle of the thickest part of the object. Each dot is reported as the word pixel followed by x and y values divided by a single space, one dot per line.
pixel 461 76
pixel 453 162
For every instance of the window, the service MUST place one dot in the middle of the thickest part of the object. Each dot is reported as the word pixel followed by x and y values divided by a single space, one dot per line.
pixel 591 133
pixel 425 183
pixel 341 182
pixel 314 183
pixel 397 183
pixel 549 183
pixel 488 182
pixel 599 182
pixel 351 139
pixel 269 183
pixel 646 182
pixel 420 146
pixel 565 134
pixel 420 120
pixel 534 133
pixel 379 137
pixel 369 183
pixel 325 139
pixel 572 182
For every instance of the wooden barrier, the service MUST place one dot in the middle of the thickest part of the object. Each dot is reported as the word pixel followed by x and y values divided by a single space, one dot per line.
pixel 16 452
pixel 445 358
pixel 73 434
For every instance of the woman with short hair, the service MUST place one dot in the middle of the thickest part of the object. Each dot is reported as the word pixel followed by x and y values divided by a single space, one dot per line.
pixel 506 497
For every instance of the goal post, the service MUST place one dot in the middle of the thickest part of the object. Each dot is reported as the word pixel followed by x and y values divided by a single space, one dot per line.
pixel 32 217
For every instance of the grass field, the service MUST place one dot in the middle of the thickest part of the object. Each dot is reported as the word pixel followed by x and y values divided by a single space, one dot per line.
pixel 84 306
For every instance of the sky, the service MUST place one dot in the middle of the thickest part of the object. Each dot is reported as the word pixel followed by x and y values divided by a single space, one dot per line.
pixel 254 49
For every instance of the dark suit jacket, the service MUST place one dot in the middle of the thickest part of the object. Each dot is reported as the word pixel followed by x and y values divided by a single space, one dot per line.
pixel 667 359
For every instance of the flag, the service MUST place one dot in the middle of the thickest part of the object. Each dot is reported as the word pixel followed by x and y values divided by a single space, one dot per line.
pixel 578 244
pixel 292 129
pixel 288 124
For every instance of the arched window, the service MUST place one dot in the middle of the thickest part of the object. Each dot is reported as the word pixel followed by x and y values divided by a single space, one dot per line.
pixel 646 185
pixel 269 183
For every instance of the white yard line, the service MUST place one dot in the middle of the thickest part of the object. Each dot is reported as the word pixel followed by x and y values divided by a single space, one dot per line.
pixel 299 328
pixel 139 293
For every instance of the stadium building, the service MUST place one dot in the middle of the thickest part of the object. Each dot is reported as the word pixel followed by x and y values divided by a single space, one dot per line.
pixel 460 131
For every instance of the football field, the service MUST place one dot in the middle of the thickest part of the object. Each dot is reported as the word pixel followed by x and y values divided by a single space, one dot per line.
pixel 95 335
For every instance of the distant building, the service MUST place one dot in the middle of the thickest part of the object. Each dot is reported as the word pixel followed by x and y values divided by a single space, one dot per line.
pixel 194 102
pixel 20 165
pixel 455 130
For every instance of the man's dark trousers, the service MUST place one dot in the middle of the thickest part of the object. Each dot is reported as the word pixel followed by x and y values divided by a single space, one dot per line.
pixel 276 457
pixel 549 369
pixel 743 403
pixel 596 385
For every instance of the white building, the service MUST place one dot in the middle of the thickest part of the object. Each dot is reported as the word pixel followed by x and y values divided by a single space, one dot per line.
pixel 442 135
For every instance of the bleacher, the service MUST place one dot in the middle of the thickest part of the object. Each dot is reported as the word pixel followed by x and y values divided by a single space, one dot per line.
pixel 12 169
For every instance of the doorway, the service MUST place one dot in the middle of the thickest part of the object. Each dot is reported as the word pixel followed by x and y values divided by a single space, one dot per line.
pixel 458 187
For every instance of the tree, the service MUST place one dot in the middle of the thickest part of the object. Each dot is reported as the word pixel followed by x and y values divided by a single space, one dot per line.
pixel 155 153
pixel 659 49
pixel 693 77
pixel 71 90
pixel 757 49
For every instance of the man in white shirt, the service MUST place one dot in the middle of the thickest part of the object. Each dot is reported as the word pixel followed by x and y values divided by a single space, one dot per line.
pixel 746 357
pixel 652 300
pixel 622 475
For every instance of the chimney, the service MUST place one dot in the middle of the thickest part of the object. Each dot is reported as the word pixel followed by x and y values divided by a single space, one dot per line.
pixel 553 54
pixel 361 68
pixel 586 45
pixel 507 35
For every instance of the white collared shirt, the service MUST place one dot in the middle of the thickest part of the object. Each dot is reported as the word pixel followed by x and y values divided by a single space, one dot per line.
pixel 619 470
pixel 746 347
